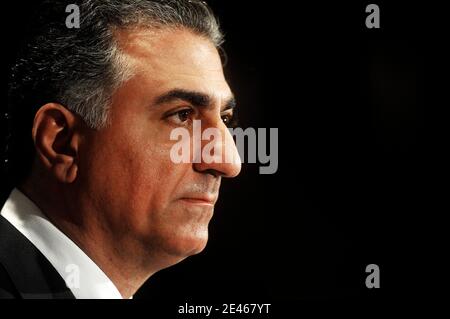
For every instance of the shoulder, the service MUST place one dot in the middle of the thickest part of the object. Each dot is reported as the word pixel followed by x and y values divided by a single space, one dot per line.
pixel 24 270
pixel 8 245
pixel 7 288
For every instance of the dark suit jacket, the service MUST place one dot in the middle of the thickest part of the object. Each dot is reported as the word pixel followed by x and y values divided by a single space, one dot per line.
pixel 24 272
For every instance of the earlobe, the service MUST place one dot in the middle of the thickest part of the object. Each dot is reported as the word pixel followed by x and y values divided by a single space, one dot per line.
pixel 55 141
pixel 65 170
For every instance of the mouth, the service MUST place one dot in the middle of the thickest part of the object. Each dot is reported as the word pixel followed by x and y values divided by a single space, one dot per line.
pixel 208 201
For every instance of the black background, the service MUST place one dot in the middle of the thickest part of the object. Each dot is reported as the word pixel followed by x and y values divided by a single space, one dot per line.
pixel 355 177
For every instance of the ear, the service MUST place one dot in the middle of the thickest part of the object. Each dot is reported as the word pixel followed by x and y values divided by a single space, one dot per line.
pixel 56 141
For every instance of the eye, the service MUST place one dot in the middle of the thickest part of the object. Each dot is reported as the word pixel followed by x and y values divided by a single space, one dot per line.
pixel 229 119
pixel 181 117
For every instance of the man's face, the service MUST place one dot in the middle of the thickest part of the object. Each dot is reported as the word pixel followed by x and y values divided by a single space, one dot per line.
pixel 126 170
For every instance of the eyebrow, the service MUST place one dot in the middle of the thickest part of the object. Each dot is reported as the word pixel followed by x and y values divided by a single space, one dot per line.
pixel 197 99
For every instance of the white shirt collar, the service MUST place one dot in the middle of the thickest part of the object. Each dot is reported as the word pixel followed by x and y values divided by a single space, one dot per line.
pixel 84 278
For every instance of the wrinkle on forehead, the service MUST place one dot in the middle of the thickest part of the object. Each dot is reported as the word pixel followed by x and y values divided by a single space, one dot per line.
pixel 174 57
pixel 176 47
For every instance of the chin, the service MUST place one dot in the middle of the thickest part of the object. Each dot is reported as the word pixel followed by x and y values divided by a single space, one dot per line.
pixel 201 245
pixel 166 251
pixel 185 246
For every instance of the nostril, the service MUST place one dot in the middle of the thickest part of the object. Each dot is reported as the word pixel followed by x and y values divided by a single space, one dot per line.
pixel 213 172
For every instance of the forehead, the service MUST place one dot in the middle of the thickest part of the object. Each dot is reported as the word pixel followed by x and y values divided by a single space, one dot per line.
pixel 174 58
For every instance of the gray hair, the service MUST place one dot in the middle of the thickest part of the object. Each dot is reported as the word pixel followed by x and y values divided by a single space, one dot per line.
pixel 81 68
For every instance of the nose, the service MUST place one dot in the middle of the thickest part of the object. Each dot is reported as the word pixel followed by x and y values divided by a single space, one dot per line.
pixel 220 156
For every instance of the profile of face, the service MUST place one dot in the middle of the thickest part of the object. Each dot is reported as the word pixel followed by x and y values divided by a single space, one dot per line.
pixel 125 170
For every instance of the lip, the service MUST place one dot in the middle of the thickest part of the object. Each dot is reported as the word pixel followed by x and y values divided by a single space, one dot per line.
pixel 202 201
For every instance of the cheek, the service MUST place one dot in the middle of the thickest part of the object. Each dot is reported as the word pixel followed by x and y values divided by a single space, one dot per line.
pixel 144 176
pixel 137 185
pixel 128 173
pixel 158 217
pixel 148 185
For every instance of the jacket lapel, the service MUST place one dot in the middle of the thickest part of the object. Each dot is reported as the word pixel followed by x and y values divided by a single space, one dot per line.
pixel 31 273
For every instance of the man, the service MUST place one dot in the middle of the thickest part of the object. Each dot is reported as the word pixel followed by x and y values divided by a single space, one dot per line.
pixel 104 207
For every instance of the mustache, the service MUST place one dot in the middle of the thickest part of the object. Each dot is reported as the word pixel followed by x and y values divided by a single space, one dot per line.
pixel 209 187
